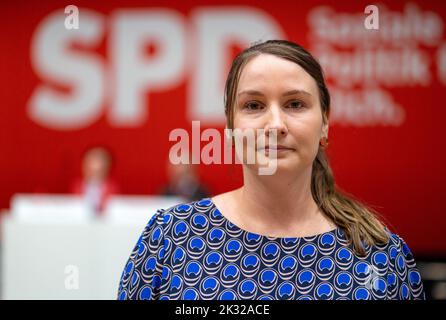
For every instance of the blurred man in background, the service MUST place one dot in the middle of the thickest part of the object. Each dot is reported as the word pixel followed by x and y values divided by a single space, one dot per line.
pixel 184 182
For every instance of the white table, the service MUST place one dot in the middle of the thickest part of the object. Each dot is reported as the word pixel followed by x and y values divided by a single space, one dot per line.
pixel 60 260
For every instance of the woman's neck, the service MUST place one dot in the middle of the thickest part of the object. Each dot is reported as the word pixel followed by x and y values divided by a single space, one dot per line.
pixel 281 204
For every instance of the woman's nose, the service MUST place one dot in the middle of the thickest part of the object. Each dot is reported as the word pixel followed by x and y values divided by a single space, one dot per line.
pixel 276 121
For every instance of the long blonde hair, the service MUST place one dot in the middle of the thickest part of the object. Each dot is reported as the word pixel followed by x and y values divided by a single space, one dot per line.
pixel 361 224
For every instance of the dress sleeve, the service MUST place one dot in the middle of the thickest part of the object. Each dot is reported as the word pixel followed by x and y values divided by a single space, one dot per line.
pixel 141 278
pixel 404 279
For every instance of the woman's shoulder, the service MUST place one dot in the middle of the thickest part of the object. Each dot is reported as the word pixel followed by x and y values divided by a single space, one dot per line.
pixel 400 254
pixel 397 244
pixel 389 252
pixel 183 211
pixel 403 272
pixel 143 275
pixel 202 204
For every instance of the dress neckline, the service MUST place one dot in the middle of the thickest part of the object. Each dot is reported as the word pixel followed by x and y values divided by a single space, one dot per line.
pixel 214 206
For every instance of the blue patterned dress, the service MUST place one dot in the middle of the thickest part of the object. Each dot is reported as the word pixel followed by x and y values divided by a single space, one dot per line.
pixel 191 251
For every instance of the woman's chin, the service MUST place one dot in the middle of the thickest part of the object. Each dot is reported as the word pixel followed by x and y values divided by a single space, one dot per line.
pixel 278 166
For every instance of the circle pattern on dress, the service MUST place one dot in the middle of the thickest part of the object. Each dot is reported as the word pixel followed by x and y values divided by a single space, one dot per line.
pixel 192 252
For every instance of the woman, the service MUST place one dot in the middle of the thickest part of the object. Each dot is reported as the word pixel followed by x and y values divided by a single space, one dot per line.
pixel 96 184
pixel 288 235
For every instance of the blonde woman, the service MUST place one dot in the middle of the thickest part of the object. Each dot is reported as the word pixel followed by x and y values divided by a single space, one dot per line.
pixel 288 235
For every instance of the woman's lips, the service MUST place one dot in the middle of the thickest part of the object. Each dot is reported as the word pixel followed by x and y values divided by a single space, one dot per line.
pixel 276 148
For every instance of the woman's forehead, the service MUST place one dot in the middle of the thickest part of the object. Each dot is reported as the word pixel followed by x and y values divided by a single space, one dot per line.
pixel 266 71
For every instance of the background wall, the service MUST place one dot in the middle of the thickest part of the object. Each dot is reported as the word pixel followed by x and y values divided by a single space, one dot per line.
pixel 135 70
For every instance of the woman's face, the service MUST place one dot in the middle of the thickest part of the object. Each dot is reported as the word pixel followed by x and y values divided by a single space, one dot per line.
pixel 275 93
pixel 96 165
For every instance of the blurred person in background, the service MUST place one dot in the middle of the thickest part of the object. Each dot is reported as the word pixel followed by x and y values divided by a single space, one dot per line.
pixel 96 185
pixel 184 182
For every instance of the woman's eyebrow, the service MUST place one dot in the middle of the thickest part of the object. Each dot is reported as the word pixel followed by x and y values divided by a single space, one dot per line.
pixel 258 93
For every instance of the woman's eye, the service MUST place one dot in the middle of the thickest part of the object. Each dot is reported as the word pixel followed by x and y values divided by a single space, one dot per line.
pixel 252 106
pixel 295 104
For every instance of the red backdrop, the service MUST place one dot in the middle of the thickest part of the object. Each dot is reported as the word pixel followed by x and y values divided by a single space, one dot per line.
pixel 388 88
